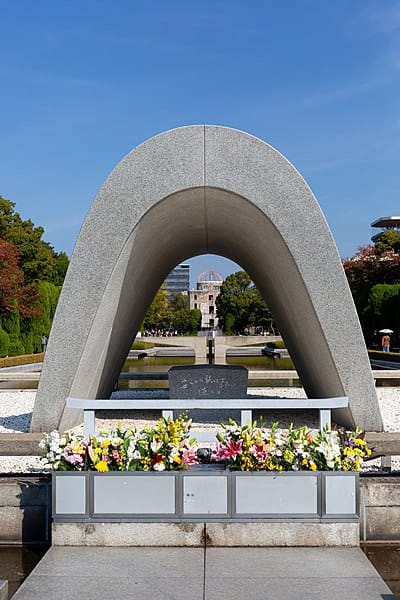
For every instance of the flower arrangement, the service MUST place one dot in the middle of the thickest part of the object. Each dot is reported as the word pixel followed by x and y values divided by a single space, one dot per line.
pixel 165 447
pixel 257 448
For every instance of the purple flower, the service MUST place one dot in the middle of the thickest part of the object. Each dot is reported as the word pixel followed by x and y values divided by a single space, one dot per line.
pixel 74 459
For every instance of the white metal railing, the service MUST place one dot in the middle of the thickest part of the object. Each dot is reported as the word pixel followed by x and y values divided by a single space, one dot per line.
pixel 167 406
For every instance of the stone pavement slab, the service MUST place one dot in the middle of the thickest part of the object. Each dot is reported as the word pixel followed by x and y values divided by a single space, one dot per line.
pixel 132 573
pixel 292 573
pixel 69 573
pixel 288 562
pixel 288 589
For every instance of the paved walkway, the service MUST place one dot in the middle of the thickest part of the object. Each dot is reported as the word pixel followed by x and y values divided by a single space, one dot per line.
pixel 68 573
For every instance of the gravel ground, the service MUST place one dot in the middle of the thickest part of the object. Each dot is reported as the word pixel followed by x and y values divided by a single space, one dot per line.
pixel 16 411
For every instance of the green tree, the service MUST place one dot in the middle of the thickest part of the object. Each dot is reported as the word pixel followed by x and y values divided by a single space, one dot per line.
pixel 187 321
pixel 159 313
pixel 240 305
pixel 31 275
pixel 383 307
pixel 38 260
pixel 4 342
pixel 178 301
pixel 366 269
pixel 183 319
pixel 11 324
pixel 60 266
pixel 32 329
pixel 388 240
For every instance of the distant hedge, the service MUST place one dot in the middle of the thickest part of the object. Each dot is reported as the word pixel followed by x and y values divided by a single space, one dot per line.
pixel 25 359
pixel 139 345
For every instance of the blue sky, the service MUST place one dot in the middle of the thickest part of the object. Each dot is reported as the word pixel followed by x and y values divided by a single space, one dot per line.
pixel 83 82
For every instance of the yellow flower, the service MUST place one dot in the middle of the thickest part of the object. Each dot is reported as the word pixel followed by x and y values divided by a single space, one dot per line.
pixel 102 466
pixel 177 460
pixel 247 464
pixel 346 465
pixel 76 447
pixel 146 463
pixel 313 466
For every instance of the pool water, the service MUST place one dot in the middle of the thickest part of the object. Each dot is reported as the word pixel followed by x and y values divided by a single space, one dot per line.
pixel 386 560
pixel 17 562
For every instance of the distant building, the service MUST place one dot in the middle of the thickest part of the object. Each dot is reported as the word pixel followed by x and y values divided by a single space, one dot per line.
pixel 385 223
pixel 178 281
pixel 203 297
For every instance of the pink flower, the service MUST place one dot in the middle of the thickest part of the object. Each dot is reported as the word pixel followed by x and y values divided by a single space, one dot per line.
pixel 189 457
pixel 261 452
pixel 232 450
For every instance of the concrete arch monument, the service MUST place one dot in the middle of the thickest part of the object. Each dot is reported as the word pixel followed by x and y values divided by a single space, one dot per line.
pixel 190 191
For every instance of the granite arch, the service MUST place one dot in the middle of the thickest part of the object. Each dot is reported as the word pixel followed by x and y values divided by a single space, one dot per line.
pixel 189 191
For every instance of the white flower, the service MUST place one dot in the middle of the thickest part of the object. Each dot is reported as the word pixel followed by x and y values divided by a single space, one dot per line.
pixel 330 448
pixel 232 429
pixel 173 454
pixel 159 467
pixel 155 445
pixel 133 452
pixel 116 441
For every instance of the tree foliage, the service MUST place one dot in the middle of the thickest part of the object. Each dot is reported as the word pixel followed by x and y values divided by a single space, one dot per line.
pixel 240 304
pixel 38 260
pixel 373 274
pixel 15 294
pixel 172 312
pixel 178 302
pixel 184 319
pixel 159 314
pixel 368 267
pixel 388 240
pixel 383 307
pixel 10 277
pixel 31 274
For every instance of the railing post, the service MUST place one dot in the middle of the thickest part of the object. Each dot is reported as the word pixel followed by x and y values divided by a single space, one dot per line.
pixel 168 414
pixel 324 418
pixel 89 422
pixel 246 416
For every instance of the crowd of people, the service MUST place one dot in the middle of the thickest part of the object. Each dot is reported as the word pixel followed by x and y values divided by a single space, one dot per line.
pixel 160 332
